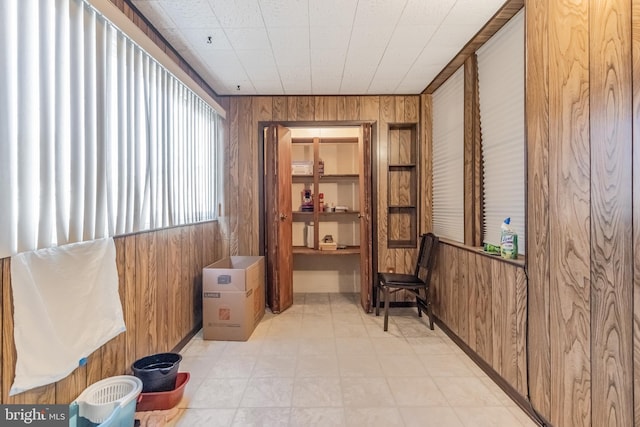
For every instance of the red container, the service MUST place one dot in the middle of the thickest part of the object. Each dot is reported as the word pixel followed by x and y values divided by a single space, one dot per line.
pixel 158 400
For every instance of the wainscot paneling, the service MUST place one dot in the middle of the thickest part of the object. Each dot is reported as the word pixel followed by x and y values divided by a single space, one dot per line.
pixel 482 300
pixel 160 290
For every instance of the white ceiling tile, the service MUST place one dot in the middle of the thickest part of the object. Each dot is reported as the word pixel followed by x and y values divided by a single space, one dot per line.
pixel 258 64
pixel 293 60
pixel 302 87
pixel 425 12
pixel 414 36
pixel 248 38
pixel 190 13
pixel 285 39
pixel 473 12
pixel 246 87
pixel 328 58
pixel 318 46
pixel 197 38
pixel 328 86
pixel 326 73
pixel 330 13
pixel 285 13
pixel 370 39
pixel 376 13
pixel 268 87
pixel 237 13
pixel 329 37
pixel 382 86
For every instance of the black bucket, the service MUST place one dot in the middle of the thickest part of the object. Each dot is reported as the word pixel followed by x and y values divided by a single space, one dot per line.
pixel 157 372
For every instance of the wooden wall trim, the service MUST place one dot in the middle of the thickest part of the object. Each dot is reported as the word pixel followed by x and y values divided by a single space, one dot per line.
pixel 611 226
pixel 538 243
pixel 569 200
pixel 472 155
pixel 160 286
pixel 426 164
pixel 635 31
pixel 502 16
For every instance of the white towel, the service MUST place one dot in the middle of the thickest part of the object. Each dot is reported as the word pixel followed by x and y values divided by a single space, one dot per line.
pixel 66 306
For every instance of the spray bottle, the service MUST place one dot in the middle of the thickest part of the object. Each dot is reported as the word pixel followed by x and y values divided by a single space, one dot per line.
pixel 508 240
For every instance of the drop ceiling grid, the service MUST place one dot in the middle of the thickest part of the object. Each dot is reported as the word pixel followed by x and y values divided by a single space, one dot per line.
pixel 319 47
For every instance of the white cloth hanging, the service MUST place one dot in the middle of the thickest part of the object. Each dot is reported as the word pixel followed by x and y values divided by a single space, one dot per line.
pixel 66 306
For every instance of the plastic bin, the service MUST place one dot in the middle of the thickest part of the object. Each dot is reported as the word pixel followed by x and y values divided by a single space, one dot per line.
pixel 110 402
pixel 158 372
pixel 160 400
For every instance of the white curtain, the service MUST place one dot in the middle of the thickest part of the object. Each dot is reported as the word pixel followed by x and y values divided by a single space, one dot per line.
pixel 502 121
pixel 96 138
pixel 448 158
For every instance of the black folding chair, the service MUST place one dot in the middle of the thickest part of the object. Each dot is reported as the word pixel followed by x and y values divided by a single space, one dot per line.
pixel 417 283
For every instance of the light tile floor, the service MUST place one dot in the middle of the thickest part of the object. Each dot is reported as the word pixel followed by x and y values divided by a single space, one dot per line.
pixel 325 362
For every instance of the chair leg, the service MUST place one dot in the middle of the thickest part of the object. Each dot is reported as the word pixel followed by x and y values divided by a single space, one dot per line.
pixel 378 299
pixel 418 306
pixel 429 313
pixel 386 308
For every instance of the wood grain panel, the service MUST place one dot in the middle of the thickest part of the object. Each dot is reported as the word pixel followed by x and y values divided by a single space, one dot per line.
pixel 636 208
pixel 426 167
pixel 611 212
pixel 196 240
pixel 145 298
pixel 472 155
pixel 280 108
pixel 464 297
pixel 232 175
pixel 483 322
pixel 8 348
pixel 503 299
pixel 538 244
pixel 131 320
pixel 174 280
pixel 113 361
pixel 386 256
pixel 370 108
pixel 411 109
pixel 162 291
pixel 569 200
pixel 521 331
pixel 247 152
pixel 506 12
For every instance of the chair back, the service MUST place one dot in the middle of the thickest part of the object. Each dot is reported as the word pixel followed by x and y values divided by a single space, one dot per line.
pixel 426 256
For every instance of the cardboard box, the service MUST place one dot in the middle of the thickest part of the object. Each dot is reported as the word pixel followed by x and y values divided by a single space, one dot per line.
pixel 233 298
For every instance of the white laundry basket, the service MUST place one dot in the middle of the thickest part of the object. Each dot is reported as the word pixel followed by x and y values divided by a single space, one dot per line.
pixel 110 402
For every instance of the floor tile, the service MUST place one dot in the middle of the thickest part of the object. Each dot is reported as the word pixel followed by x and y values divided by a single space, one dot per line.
pixel 325 362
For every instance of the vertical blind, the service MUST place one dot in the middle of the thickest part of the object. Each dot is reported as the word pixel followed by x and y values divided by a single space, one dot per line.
pixel 96 137
pixel 501 87
pixel 448 158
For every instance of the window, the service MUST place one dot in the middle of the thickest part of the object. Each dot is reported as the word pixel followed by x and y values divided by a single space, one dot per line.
pixel 501 89
pixel 98 138
pixel 448 158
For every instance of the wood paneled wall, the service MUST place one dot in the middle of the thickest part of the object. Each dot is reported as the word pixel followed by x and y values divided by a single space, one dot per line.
pixel 245 113
pixel 161 293
pixel 482 299
pixel 580 252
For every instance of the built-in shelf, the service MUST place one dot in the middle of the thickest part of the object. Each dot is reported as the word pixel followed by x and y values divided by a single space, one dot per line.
pixel 303 250
pixel 402 182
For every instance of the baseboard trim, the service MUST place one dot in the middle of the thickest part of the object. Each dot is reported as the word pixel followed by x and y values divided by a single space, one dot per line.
pixel 520 400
